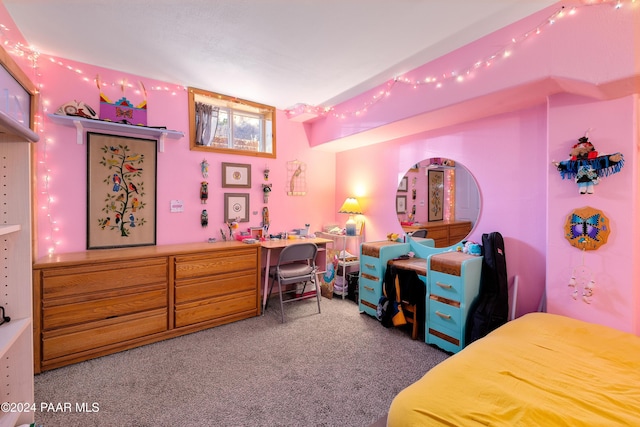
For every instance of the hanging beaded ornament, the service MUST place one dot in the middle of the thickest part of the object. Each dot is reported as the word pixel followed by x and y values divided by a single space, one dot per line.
pixel 582 283
pixel 587 228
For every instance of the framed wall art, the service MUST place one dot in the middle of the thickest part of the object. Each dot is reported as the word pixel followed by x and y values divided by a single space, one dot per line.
pixel 236 207
pixel 436 195
pixel 121 191
pixel 236 175
pixel 401 204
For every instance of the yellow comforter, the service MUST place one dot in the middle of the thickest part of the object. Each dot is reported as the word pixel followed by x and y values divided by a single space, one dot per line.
pixel 539 370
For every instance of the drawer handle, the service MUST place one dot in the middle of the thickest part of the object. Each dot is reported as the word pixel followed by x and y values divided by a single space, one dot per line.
pixel 444 285
pixel 444 316
pixel 370 266
pixel 368 288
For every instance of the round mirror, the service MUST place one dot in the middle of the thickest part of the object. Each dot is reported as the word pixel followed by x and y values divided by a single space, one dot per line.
pixel 439 199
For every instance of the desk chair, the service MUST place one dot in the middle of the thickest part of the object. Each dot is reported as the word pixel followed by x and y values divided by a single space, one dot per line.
pixel 411 315
pixel 419 233
pixel 296 264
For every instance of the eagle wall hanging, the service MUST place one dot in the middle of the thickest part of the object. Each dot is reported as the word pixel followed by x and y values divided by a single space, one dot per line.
pixel 586 166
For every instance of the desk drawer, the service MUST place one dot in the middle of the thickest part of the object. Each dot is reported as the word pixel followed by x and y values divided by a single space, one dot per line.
pixel 371 266
pixel 446 286
pixel 443 340
pixel 369 294
pixel 445 317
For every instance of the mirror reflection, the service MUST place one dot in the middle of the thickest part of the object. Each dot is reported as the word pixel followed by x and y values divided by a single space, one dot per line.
pixel 439 198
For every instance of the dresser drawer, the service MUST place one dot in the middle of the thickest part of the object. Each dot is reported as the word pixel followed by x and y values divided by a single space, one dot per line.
pixel 223 284
pixel 459 232
pixel 446 285
pixel 216 308
pixel 191 266
pixel 102 277
pixel 445 317
pixel 438 233
pixel 82 310
pixel 90 337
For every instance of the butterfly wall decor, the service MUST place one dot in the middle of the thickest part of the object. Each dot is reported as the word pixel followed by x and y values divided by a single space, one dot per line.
pixel 587 228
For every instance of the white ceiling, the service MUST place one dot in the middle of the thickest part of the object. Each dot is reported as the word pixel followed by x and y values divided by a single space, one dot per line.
pixel 276 52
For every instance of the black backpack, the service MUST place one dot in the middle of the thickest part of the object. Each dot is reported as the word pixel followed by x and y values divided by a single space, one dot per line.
pixel 491 308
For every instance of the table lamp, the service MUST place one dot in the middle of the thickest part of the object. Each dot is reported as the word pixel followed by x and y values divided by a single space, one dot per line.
pixel 351 207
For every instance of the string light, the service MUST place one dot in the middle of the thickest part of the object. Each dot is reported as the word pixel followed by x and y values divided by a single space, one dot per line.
pixel 32 54
pixel 46 200
pixel 505 52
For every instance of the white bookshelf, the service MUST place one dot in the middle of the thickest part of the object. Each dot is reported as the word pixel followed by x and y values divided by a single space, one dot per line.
pixel 16 294
pixel 16 336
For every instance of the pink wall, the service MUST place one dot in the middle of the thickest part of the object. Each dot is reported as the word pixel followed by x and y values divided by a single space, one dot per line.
pixel 554 97
pixel 613 130
pixel 511 181
pixel 564 50
pixel 63 161
pixel 505 123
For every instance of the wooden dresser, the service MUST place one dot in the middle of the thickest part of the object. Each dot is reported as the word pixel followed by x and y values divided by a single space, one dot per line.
pixel 93 303
pixel 444 233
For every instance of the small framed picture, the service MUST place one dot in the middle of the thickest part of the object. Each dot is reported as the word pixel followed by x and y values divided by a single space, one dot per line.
pixel 236 207
pixel 236 175
pixel 401 204
pixel 403 186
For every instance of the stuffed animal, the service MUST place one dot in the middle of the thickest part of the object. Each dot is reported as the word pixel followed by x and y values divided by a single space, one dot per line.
pixel 586 167
pixel 472 248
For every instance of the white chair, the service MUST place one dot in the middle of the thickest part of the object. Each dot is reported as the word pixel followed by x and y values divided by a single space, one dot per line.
pixel 296 264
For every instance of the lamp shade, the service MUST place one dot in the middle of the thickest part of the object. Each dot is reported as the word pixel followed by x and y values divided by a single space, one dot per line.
pixel 351 206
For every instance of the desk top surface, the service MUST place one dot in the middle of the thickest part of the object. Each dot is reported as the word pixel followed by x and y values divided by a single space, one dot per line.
pixel 419 265
pixel 281 243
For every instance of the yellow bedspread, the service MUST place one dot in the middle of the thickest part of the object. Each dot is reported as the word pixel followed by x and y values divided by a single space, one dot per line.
pixel 539 370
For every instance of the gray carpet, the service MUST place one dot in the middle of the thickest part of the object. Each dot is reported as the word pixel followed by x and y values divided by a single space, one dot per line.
pixel 339 368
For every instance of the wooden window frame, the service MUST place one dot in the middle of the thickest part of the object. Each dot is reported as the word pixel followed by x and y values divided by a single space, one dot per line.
pixel 237 105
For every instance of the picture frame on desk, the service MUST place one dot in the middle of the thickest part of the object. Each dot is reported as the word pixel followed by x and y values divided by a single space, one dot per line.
pixel 121 191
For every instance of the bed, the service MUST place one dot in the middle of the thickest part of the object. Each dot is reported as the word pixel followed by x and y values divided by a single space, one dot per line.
pixel 538 370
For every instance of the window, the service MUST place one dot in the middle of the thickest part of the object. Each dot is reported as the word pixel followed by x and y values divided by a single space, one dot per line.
pixel 225 124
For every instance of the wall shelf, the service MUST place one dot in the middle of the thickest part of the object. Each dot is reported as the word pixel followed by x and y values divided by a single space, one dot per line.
pixel 80 123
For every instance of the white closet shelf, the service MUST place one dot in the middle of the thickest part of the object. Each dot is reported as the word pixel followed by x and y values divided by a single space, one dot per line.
pixel 80 123
pixel 9 228
pixel 10 332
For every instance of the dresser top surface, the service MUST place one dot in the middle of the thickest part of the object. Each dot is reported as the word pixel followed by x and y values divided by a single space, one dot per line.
pixel 137 252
